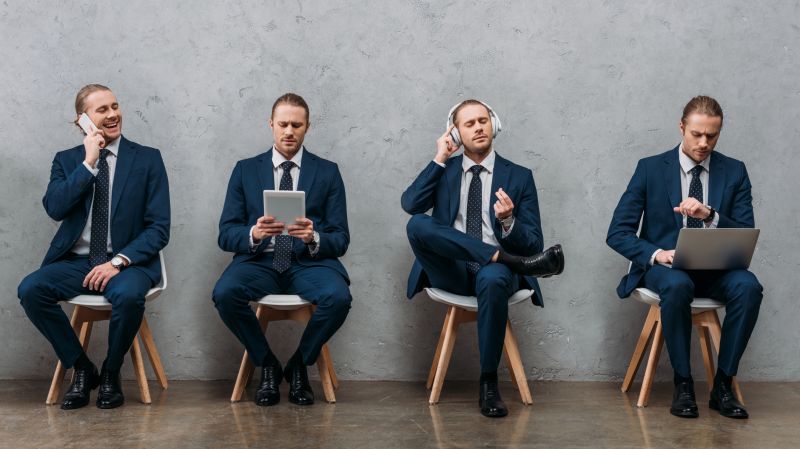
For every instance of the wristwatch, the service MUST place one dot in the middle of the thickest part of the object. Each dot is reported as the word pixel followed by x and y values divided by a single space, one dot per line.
pixel 117 262
pixel 711 215
pixel 507 222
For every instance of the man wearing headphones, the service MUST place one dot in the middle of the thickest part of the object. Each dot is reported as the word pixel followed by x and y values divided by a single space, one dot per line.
pixel 484 236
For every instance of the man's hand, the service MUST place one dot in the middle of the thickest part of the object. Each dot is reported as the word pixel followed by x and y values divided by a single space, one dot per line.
pixel 303 228
pixel 98 278
pixel 267 227
pixel 92 143
pixel 445 146
pixel 503 207
pixel 665 257
pixel 690 207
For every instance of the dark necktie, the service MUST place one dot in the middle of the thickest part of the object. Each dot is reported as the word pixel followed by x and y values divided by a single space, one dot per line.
pixel 474 210
pixel 696 192
pixel 282 257
pixel 98 241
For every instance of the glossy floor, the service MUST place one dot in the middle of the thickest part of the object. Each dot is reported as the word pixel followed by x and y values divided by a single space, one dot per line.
pixel 196 414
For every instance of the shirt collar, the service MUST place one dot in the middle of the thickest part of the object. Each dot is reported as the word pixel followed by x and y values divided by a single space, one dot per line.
pixel 687 164
pixel 278 159
pixel 488 163
pixel 113 147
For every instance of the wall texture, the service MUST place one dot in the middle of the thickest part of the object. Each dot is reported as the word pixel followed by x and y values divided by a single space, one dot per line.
pixel 584 90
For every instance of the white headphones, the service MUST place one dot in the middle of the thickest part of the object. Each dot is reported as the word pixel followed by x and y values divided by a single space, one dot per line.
pixel 496 125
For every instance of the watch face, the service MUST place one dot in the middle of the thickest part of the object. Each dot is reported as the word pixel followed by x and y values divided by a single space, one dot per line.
pixel 116 261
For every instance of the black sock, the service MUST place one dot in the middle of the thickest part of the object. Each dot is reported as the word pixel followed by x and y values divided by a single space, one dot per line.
pixel 721 377
pixel 506 259
pixel 680 379
pixel 297 359
pixel 83 362
pixel 270 359
pixel 489 376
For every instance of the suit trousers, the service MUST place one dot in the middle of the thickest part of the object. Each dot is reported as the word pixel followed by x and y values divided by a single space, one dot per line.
pixel 253 279
pixel 40 292
pixel 738 289
pixel 443 253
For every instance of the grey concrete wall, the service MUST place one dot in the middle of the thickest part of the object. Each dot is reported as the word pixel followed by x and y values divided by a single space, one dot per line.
pixel 584 90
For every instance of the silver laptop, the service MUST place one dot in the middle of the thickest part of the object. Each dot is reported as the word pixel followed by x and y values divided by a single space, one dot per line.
pixel 715 249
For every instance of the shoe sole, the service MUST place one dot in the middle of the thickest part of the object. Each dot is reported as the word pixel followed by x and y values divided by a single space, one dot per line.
pixel 679 414
pixel 110 406
pixel 713 405
pixel 560 254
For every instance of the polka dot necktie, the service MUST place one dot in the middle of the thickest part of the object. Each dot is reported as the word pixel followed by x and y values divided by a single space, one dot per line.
pixel 474 210
pixel 98 241
pixel 696 192
pixel 282 257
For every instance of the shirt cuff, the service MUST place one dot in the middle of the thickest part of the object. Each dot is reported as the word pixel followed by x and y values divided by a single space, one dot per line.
pixel 653 257
pixel 313 251
pixel 439 164
pixel 253 244
pixel 93 171
pixel 506 232
pixel 127 259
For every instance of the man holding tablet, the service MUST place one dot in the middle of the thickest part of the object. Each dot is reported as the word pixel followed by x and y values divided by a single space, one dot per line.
pixel 279 257
pixel 690 186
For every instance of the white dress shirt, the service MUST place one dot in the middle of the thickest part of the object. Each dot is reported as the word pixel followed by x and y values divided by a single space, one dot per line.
pixel 277 173
pixel 82 245
pixel 687 164
pixel 486 176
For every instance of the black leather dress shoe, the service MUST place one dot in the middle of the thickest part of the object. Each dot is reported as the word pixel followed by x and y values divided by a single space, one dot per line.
pixel 545 264
pixel 85 380
pixel 491 403
pixel 724 400
pixel 268 392
pixel 110 393
pixel 684 404
pixel 300 392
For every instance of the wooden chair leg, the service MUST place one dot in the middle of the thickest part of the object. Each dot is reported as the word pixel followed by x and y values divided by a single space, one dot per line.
pixel 715 329
pixel 641 347
pixel 58 376
pixel 650 369
pixel 516 367
pixel 323 364
pixel 331 370
pixel 152 353
pixel 705 347
pixel 138 368
pixel 438 353
pixel 246 367
pixel 444 359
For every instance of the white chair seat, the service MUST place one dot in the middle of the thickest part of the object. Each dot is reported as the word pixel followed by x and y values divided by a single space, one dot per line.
pixel 470 302
pixel 650 297
pixel 99 302
pixel 284 302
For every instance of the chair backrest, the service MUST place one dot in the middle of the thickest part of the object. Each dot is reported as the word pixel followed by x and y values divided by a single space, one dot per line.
pixel 154 292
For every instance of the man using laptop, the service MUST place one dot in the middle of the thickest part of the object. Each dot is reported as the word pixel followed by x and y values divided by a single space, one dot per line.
pixel 690 186
pixel 266 261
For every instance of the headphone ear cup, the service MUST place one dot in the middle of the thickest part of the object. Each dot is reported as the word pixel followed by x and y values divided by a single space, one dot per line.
pixel 455 136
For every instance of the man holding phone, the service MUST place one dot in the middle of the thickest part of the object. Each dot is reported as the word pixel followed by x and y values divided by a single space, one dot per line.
pixel 112 198
pixel 302 262
pixel 484 236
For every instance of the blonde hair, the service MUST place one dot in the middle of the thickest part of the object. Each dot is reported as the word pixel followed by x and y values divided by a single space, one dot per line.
pixel 702 104
pixel 80 98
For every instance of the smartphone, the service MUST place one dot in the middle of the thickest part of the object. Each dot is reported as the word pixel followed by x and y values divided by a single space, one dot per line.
pixel 86 124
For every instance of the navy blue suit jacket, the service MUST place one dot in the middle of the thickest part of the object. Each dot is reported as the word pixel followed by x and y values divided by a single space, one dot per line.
pixel 654 190
pixel 325 206
pixel 440 188
pixel 140 211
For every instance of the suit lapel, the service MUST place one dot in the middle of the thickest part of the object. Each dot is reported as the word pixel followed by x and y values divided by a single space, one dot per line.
pixel 716 182
pixel 265 173
pixel 673 180
pixel 500 178
pixel 453 173
pixel 125 159
pixel 308 169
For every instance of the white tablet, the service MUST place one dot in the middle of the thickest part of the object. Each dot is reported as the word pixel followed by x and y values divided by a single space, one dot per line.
pixel 285 205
